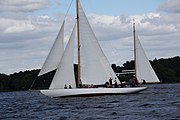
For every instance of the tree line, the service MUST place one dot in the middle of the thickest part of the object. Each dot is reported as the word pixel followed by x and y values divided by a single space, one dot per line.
pixel 167 70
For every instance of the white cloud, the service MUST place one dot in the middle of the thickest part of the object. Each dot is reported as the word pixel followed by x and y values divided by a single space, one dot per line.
pixel 22 5
pixel 20 28
pixel 171 6
pixel 158 32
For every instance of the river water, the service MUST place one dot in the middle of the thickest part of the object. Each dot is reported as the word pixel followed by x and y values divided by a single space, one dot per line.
pixel 158 102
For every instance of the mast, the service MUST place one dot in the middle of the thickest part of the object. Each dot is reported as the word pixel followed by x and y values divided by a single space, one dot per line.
pixel 134 32
pixel 78 41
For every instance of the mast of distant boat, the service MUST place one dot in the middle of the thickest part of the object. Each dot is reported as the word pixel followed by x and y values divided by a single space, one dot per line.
pixel 79 46
pixel 134 32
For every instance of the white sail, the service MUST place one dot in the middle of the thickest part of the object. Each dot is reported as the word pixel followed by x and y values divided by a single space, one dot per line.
pixel 143 67
pixel 65 71
pixel 55 54
pixel 95 68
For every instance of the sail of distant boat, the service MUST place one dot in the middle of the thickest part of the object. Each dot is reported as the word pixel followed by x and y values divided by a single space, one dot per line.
pixel 143 68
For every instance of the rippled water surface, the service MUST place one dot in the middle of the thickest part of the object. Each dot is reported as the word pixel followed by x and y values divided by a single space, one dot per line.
pixel 158 102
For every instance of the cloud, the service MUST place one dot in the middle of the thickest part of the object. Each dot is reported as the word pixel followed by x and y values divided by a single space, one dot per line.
pixel 117 27
pixel 170 6
pixel 22 5
pixel 25 39
pixel 20 28
pixel 158 32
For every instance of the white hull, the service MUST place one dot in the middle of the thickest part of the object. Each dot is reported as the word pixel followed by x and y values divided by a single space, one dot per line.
pixel 90 91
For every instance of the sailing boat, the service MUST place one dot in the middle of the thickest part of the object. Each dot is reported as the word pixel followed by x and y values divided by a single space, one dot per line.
pixel 143 69
pixel 93 66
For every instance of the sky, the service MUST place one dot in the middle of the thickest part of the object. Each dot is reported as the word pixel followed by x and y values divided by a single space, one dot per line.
pixel 28 29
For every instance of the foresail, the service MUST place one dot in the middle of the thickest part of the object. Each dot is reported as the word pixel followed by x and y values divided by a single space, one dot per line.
pixel 55 53
pixel 65 71
pixel 143 67
pixel 95 68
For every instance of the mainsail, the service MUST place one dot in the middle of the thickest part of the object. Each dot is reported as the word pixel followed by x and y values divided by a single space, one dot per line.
pixel 65 71
pixel 144 69
pixel 55 54
pixel 95 68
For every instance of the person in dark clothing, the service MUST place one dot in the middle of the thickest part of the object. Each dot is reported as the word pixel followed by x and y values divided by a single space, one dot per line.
pixel 115 85
pixel 70 87
pixel 144 82
pixel 65 86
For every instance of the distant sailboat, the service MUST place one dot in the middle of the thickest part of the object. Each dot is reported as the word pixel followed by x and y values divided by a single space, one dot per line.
pixel 143 69
pixel 93 66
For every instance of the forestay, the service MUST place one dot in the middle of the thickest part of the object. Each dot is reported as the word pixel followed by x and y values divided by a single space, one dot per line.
pixel 95 68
